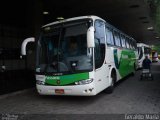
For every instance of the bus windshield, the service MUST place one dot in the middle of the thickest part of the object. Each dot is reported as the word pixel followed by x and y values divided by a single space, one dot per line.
pixel 63 48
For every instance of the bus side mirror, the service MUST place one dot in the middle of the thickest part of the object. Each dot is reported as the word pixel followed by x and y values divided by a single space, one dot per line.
pixel 90 37
pixel 24 44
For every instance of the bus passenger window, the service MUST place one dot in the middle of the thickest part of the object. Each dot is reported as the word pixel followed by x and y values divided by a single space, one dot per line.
pixel 123 41
pixel 117 39
pixel 109 36
pixel 132 44
pixel 127 43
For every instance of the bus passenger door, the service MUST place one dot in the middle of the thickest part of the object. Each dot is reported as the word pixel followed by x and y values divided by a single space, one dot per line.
pixel 99 56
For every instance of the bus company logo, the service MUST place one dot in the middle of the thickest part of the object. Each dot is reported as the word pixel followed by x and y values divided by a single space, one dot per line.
pixel 52 78
pixel 58 82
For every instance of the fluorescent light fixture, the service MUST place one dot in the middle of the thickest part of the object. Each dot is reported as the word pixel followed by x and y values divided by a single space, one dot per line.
pixel 60 18
pixel 45 13
pixel 150 28
pixel 157 37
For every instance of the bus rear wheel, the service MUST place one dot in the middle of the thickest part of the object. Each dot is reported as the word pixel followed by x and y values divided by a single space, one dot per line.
pixel 110 89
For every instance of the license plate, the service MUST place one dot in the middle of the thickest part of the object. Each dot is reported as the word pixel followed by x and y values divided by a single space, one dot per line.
pixel 59 91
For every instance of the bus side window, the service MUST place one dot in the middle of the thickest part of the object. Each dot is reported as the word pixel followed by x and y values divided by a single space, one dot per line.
pixel 127 43
pixel 109 36
pixel 117 39
pixel 123 41
pixel 130 43
pixel 120 42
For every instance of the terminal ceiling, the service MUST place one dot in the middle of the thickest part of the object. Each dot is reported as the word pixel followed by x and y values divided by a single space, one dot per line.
pixel 131 16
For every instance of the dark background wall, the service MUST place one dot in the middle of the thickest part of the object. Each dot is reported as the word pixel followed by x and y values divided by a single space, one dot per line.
pixel 18 20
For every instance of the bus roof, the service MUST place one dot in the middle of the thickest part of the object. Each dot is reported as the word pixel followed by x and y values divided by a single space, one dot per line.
pixel 85 17
pixel 72 19
pixel 142 44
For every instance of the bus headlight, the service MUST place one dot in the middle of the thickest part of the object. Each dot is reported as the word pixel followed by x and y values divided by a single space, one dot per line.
pixel 40 82
pixel 82 82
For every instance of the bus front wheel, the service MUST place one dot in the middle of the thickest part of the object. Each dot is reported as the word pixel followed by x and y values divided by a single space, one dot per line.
pixel 110 89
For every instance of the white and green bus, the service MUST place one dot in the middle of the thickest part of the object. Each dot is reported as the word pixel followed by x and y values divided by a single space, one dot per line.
pixel 101 56
pixel 143 50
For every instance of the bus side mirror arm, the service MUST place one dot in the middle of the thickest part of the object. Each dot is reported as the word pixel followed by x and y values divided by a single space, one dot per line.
pixel 24 44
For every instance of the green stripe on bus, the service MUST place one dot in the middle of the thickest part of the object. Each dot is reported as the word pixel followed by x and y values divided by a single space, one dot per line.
pixel 65 79
pixel 125 65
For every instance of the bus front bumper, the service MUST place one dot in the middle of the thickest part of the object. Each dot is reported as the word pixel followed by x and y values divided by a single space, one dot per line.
pixel 76 90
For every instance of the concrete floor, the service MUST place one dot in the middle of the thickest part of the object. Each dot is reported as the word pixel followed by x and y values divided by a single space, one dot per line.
pixel 130 96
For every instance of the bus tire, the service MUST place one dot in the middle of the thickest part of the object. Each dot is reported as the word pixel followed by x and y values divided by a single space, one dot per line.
pixel 110 89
